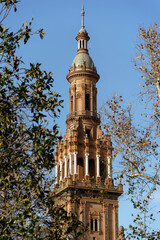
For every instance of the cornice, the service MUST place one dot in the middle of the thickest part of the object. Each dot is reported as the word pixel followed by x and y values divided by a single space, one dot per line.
pixel 70 76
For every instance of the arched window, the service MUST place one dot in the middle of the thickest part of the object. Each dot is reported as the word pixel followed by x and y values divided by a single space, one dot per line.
pixel 87 102
pixel 80 43
pixel 91 224
pixel 88 131
pixel 92 169
pixel 80 169
pixel 94 225
pixel 68 171
pixel 71 103
pixel 103 171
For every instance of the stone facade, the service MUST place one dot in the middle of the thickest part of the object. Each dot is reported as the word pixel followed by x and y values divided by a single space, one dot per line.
pixel 84 183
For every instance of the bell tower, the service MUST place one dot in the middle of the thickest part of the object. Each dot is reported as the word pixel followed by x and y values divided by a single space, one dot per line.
pixel 84 156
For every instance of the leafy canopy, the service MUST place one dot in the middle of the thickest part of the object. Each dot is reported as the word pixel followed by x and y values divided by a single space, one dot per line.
pixel 27 101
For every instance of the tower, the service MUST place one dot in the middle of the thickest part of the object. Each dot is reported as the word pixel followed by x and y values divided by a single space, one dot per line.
pixel 84 156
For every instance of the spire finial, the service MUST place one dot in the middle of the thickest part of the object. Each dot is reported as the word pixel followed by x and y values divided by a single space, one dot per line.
pixel 82 14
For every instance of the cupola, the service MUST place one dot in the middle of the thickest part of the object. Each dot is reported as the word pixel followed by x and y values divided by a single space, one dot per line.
pixel 82 60
pixel 82 36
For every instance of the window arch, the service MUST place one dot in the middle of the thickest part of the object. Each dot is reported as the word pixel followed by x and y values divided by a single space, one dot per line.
pixel 71 103
pixel 92 168
pixel 102 170
pixel 91 224
pixel 68 170
pixel 80 164
pixel 87 102
pixel 83 44
pixel 94 225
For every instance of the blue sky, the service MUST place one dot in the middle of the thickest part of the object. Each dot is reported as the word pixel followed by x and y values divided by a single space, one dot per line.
pixel 113 29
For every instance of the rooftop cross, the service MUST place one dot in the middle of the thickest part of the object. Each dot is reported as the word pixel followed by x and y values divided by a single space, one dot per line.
pixel 82 14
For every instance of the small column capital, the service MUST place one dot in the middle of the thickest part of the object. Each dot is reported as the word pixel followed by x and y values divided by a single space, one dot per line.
pixel 105 207
pixel 98 155
pixel 86 154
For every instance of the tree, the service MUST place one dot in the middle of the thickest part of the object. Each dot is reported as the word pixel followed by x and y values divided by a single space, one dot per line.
pixel 148 58
pixel 136 139
pixel 27 143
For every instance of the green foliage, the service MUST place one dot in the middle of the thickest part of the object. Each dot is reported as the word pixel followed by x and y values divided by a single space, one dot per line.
pixel 27 143
pixel 65 226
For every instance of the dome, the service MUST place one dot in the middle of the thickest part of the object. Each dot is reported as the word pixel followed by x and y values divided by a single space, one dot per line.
pixel 82 30
pixel 81 59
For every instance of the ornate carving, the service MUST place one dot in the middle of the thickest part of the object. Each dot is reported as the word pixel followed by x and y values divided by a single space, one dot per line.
pixel 79 95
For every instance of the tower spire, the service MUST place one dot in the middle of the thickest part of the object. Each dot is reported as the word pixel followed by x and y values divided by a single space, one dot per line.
pixel 82 14
pixel 83 162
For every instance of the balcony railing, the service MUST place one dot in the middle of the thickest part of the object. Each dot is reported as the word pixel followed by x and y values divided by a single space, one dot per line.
pixel 83 113
pixel 86 185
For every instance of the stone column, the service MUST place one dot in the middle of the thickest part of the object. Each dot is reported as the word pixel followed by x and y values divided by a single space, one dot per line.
pixel 87 172
pixel 109 166
pixel 75 162
pixel 65 167
pixel 70 163
pixel 98 165
pixel 93 224
pixel 60 170
pixel 99 223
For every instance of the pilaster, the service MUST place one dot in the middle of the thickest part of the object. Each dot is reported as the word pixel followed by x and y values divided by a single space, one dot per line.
pixel 105 217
